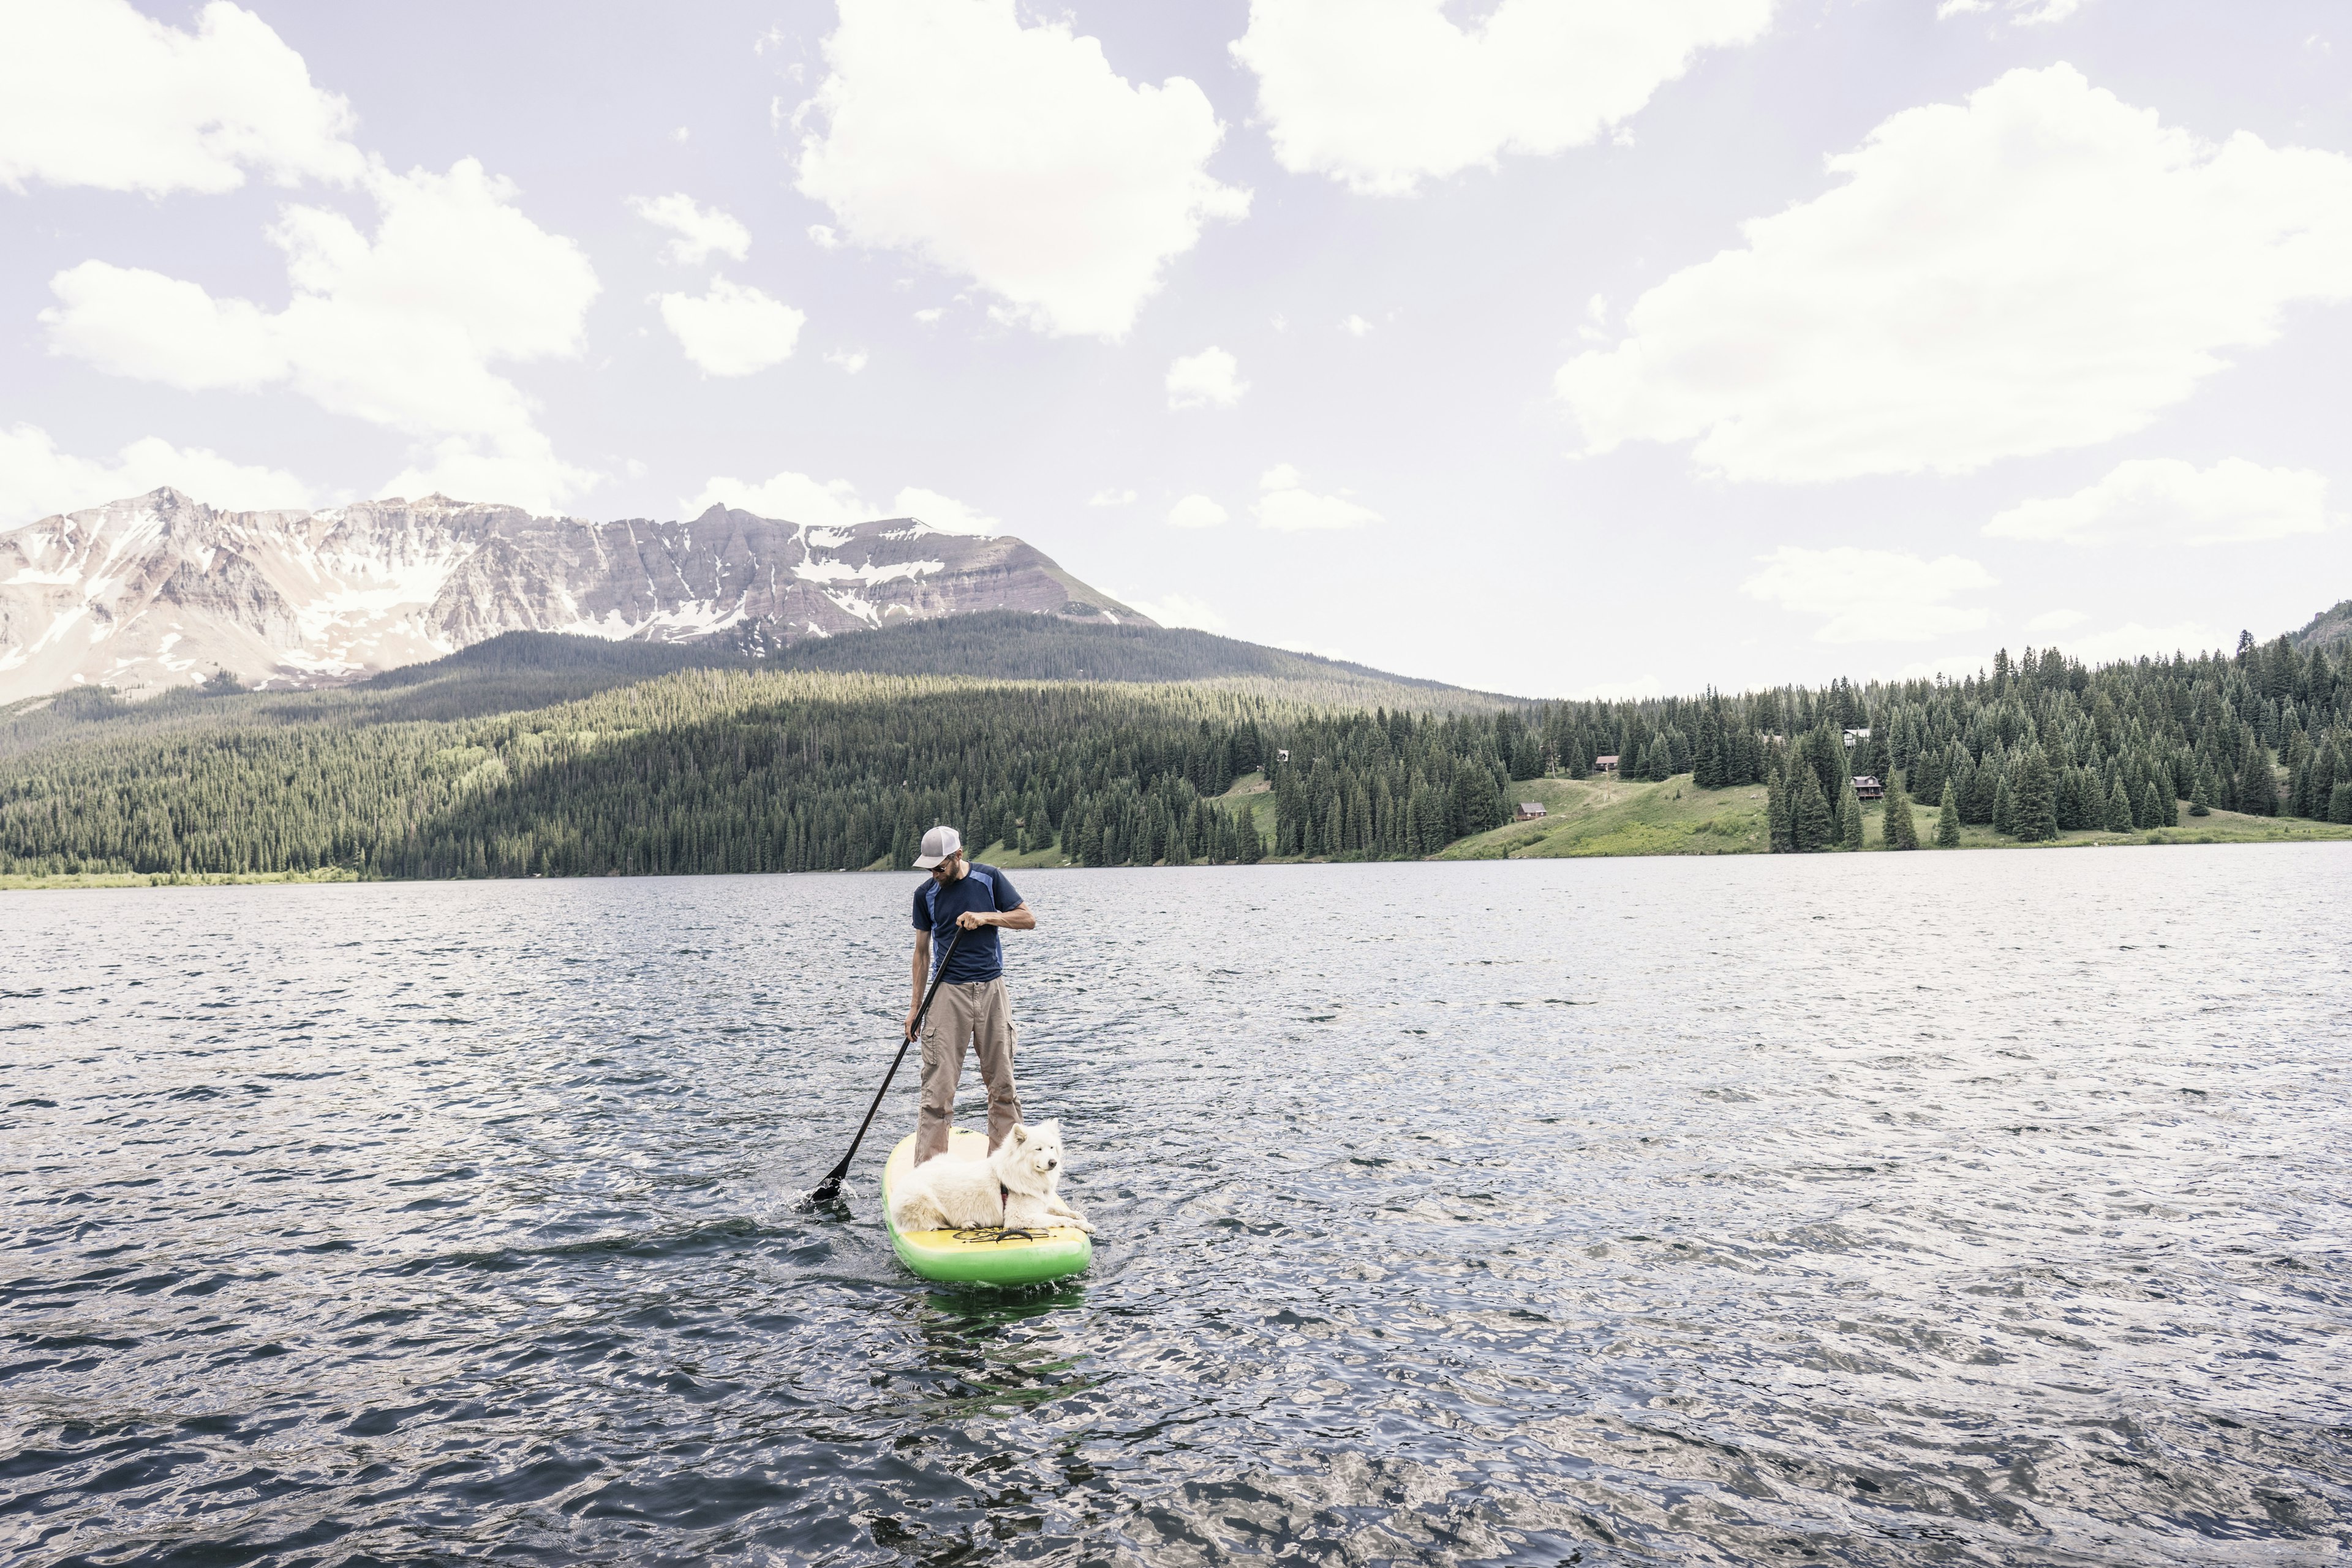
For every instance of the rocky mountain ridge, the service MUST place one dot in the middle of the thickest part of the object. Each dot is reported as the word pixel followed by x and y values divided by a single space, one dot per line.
pixel 161 590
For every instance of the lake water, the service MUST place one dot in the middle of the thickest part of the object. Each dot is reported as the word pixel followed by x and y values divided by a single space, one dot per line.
pixel 1984 1208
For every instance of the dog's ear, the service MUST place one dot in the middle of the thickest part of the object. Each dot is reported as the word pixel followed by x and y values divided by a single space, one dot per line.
pixel 1019 1133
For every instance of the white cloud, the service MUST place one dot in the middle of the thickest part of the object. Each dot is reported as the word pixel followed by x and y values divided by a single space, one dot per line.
pixel 130 321
pixel 2136 641
pixel 945 513
pixel 825 239
pixel 929 315
pixel 797 498
pixel 38 480
pixel 1211 378
pixel 1355 326
pixel 1179 610
pixel 794 497
pixel 1111 498
pixel 1286 505
pixel 1195 512
pixel 700 230
pixel 2164 500
pixel 93 93
pixel 1381 94
pixel 2041 267
pixel 1012 156
pixel 2051 621
pixel 522 471
pixel 851 361
pixel 400 328
pixel 2021 13
pixel 1871 595
pixel 733 330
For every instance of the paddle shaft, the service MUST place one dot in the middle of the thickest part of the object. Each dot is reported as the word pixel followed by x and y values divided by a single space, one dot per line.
pixel 831 1185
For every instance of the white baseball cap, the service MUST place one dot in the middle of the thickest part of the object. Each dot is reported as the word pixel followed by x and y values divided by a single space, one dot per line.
pixel 937 845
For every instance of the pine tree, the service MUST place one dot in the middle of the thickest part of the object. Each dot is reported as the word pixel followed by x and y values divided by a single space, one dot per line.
pixel 1780 822
pixel 2200 798
pixel 1707 769
pixel 2119 812
pixel 1850 819
pixel 2257 786
pixel 1947 822
pixel 2004 809
pixel 2156 810
pixel 2339 803
pixel 1810 822
pixel 2035 810
pixel 1896 830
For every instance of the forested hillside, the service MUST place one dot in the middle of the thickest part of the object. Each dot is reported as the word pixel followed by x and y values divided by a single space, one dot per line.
pixel 2331 628
pixel 763 770
pixel 1010 646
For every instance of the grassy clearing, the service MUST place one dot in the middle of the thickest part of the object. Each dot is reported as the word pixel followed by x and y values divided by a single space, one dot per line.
pixel 1005 859
pixel 1676 817
pixel 1608 817
pixel 13 883
pixel 1253 793
pixel 2221 828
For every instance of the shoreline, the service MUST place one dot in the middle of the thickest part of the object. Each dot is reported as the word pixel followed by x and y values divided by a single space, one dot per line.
pixel 1626 822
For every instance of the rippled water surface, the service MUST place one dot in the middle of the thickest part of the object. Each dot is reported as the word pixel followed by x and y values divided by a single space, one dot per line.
pixel 1941 1208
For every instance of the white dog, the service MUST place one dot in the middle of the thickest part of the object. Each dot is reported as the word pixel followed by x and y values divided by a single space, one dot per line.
pixel 1018 1186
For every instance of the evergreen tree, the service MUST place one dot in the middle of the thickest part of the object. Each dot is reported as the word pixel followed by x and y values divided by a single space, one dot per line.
pixel 1978 787
pixel 2201 799
pixel 2004 808
pixel 2339 803
pixel 1779 820
pixel 1896 830
pixel 2119 812
pixel 1850 819
pixel 1811 825
pixel 1948 821
pixel 2035 809
pixel 2155 810
pixel 1708 763
pixel 1926 780
pixel 2257 784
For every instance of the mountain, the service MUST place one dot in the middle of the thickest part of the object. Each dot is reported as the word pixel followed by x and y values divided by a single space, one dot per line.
pixel 160 590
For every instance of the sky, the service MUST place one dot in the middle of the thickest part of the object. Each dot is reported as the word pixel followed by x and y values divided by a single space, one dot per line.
pixel 1552 347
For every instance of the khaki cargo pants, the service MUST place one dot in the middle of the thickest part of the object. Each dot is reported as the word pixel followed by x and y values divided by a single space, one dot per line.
pixel 974 1013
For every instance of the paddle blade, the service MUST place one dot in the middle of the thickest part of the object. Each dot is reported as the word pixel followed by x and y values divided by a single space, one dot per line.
pixel 827 1190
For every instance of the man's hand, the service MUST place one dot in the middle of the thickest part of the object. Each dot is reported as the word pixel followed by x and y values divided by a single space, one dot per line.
pixel 972 920
pixel 910 1021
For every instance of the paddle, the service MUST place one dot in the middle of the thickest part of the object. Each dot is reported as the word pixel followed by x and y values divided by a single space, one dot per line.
pixel 825 1192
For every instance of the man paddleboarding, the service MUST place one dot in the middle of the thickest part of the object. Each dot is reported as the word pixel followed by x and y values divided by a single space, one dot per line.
pixel 970 1008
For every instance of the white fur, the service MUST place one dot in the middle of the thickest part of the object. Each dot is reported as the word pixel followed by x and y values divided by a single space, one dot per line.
pixel 1017 1186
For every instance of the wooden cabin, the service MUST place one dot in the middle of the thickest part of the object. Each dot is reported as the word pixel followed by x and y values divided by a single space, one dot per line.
pixel 1868 788
pixel 1530 810
pixel 1607 765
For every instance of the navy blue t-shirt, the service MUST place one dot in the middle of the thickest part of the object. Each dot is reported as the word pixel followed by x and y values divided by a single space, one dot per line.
pixel 979 956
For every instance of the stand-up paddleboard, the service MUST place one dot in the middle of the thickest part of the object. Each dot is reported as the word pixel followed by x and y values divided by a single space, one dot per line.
pixel 981 1257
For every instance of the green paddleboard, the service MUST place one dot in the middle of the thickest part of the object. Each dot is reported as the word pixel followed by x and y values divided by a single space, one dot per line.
pixel 976 1258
